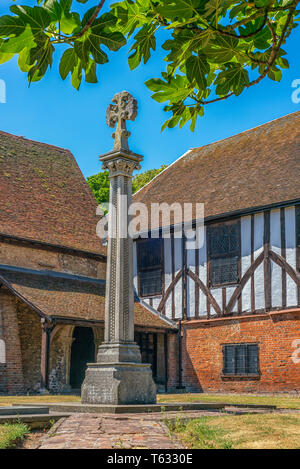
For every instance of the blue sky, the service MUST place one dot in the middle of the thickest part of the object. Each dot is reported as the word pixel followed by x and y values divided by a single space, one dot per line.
pixel 52 111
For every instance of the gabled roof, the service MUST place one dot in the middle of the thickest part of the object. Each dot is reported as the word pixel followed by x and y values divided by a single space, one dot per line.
pixel 63 296
pixel 44 196
pixel 255 168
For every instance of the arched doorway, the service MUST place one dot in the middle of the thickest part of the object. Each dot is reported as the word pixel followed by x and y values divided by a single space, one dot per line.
pixel 82 352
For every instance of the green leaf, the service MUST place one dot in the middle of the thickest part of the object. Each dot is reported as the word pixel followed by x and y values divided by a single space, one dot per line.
pixel 16 44
pixel 77 76
pixel 196 69
pixel 41 59
pixel 67 63
pixel 182 9
pixel 134 60
pixel 93 45
pixel 91 73
pixel 263 39
pixel 37 17
pixel 70 23
pixel 234 79
pixel 11 26
pixel 221 50
pixel 131 15
pixel 144 42
pixel 177 89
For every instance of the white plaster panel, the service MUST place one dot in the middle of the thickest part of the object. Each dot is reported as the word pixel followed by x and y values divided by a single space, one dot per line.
pixel 276 284
pixel 275 231
pixel 156 301
pixel 135 279
pixel 246 297
pixel 168 274
pixel 203 276
pixel 258 234
pixel 275 245
pixel 217 294
pixel 259 287
pixel 246 243
pixel 190 258
pixel 178 299
pixel 178 287
pixel 168 307
pixel 2 351
pixel 290 235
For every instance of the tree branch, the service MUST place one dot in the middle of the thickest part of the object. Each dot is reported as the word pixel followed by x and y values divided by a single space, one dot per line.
pixel 91 20
pixel 275 49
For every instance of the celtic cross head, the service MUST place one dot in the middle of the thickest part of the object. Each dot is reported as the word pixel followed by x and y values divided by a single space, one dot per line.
pixel 125 108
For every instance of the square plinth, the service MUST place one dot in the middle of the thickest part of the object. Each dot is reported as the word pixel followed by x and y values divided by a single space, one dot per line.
pixel 118 383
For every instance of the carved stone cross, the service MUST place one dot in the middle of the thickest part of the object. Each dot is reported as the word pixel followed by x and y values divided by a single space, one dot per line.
pixel 125 108
pixel 119 377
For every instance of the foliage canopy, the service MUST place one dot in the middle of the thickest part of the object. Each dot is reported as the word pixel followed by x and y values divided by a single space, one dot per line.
pixel 99 183
pixel 215 48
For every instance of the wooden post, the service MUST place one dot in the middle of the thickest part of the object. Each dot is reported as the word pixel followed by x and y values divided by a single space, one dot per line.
pixel 45 354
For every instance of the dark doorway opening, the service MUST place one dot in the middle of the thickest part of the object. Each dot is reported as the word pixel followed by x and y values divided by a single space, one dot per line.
pixel 82 352
pixel 148 345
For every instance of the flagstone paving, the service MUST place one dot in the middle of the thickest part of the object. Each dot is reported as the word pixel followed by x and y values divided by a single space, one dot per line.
pixel 128 431
pixel 90 431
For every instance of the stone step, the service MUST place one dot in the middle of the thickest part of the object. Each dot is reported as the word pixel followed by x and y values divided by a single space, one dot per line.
pixel 34 421
pixel 23 410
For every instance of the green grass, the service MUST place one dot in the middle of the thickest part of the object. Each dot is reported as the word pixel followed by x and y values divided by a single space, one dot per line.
pixel 281 401
pixel 256 431
pixel 10 434
pixel 44 399
pixel 197 434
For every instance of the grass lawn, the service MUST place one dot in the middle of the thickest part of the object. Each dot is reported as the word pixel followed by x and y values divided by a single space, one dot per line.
pixel 260 431
pixel 284 402
pixel 10 434
pixel 43 399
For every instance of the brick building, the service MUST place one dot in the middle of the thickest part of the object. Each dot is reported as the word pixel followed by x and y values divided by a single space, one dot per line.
pixel 236 296
pixel 221 317
pixel 52 275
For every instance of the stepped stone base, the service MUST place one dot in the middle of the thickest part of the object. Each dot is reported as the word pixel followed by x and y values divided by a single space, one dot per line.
pixel 118 383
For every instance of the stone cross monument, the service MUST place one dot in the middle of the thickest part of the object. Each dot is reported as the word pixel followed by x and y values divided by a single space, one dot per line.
pixel 119 377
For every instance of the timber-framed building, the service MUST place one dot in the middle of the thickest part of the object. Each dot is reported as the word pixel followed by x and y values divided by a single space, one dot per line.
pixel 236 296
pixel 52 275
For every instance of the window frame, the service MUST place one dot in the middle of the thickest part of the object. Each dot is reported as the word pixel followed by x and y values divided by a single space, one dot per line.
pixel 240 375
pixel 210 256
pixel 297 227
pixel 149 269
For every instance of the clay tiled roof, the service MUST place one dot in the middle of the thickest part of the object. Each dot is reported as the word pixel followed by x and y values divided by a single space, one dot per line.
pixel 73 298
pixel 255 168
pixel 44 196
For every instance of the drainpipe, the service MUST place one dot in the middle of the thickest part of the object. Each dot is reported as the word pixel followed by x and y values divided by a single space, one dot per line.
pixel 183 277
pixel 166 361
pixel 180 386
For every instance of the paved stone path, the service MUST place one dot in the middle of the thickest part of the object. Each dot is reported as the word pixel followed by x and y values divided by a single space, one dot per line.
pixel 111 431
pixel 94 431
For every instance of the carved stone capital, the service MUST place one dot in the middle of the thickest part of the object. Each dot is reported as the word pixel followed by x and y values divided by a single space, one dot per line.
pixel 121 166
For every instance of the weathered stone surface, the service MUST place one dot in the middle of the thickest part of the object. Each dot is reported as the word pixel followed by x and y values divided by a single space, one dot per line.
pixel 119 377
pixel 119 353
pixel 119 383
pixel 90 431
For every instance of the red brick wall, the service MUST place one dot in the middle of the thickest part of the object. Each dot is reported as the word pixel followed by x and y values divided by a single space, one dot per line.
pixel 275 334
pixel 30 332
pixel 172 361
pixel 14 370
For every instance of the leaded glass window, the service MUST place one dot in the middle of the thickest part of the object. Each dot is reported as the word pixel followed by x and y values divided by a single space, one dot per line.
pixel 224 253
pixel 150 266
pixel 240 359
